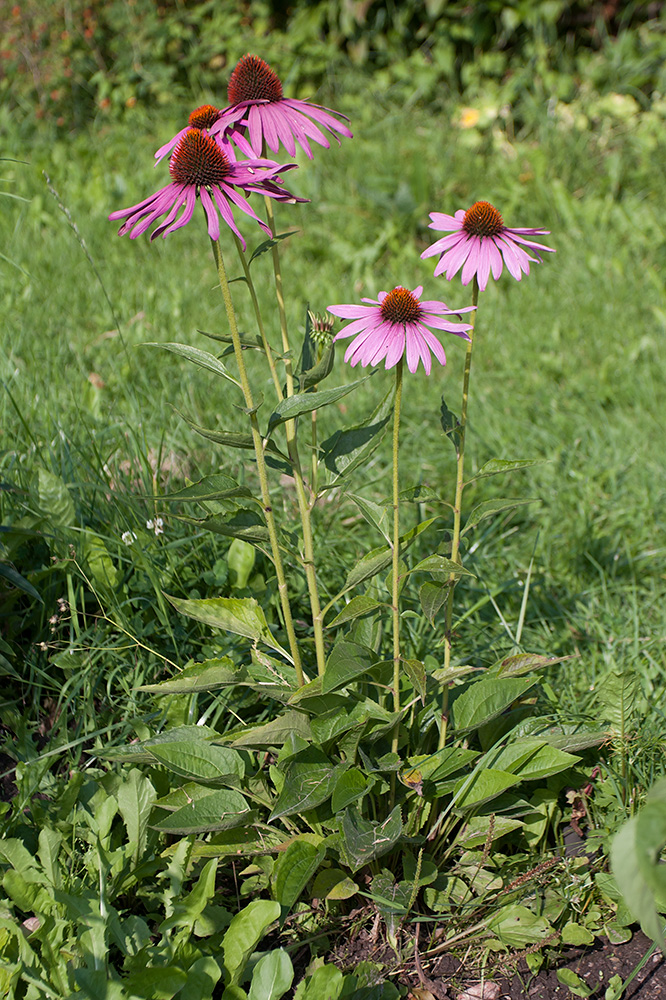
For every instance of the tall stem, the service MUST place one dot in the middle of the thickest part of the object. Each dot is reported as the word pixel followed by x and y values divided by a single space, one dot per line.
pixel 261 463
pixel 304 506
pixel 260 323
pixel 457 512
pixel 395 595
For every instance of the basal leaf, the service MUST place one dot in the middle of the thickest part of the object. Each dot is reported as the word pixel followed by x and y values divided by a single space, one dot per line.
pixel 221 810
pixel 294 869
pixel 244 934
pixel 518 927
pixel 273 733
pixel 141 753
pixel 365 840
pixel 530 759
pixel 485 699
pixel 272 976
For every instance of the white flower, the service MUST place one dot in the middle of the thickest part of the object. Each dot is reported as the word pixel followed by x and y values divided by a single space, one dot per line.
pixel 157 525
pixel 128 537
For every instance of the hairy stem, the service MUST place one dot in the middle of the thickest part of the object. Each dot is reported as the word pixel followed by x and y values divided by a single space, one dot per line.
pixel 261 464
pixel 457 512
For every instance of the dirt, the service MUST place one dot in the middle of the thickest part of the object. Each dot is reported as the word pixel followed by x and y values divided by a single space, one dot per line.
pixel 450 978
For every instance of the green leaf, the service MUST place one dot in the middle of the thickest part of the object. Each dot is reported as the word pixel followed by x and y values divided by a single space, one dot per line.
pixel 200 761
pixel 244 934
pixel 380 516
pixel 245 524
pixel 159 983
pixel 274 241
pixel 53 499
pixel 221 810
pixel 485 699
pixel 478 829
pixel 489 508
pixel 576 934
pixel 432 596
pixel 617 694
pixel 14 577
pixel 325 983
pixel 345 450
pixel 574 983
pixel 524 663
pixel 359 605
pixel 378 559
pixel 294 869
pixel 240 560
pixel 187 909
pixel 518 927
pixel 50 842
pixel 233 439
pixel 309 779
pixel 272 977
pixel 482 786
pixel 415 671
pixel 497 466
pixel 202 976
pixel 440 564
pixel 273 733
pixel 351 785
pixel 100 565
pixel 313 376
pixel 529 759
pixel 306 402
pixel 450 425
pixel 217 487
pixel 207 676
pixel 141 753
pixel 136 797
pixel 346 661
pixel 333 883
pixel 635 855
pixel 201 358
pixel 365 840
pixel 242 616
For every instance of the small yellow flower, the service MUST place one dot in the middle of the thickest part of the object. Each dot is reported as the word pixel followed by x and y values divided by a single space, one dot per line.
pixel 469 117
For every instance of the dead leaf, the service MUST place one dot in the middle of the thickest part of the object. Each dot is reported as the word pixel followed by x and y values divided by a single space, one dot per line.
pixel 481 991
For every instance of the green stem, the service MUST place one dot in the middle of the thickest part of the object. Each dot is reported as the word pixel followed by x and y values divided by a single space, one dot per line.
pixel 260 323
pixel 261 464
pixel 395 596
pixel 457 512
pixel 304 506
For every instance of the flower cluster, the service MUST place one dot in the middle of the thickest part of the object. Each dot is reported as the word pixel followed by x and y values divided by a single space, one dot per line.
pixel 204 162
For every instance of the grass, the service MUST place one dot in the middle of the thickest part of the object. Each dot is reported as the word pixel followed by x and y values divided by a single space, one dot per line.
pixel 566 370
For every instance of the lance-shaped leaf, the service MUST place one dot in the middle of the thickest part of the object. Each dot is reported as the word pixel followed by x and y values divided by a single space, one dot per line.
pixel 491 507
pixel 308 781
pixel 14 577
pixel 440 564
pixel 221 810
pixel 306 402
pixel 242 616
pixel 380 516
pixel 217 487
pixel 524 663
pixel 432 596
pixel 365 840
pixel 267 245
pixel 345 450
pixel 245 524
pixel 346 661
pixel 199 357
pixel 200 761
pixel 450 425
pixel 244 934
pixel 359 605
pixel 207 676
pixel 141 753
pixel 236 439
pixel 378 559
pixel 496 466
pixel 313 376
pixel 486 699
pixel 273 733
pixel 294 869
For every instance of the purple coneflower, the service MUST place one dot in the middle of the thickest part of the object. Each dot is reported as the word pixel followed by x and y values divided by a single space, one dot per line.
pixel 478 241
pixel 395 324
pixel 204 168
pixel 256 102
pixel 202 118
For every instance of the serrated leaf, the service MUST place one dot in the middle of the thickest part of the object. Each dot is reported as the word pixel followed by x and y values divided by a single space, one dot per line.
pixel 136 797
pixel 450 425
pixel 359 605
pixel 432 596
pixel 345 450
pixel 309 779
pixel 53 500
pixel 378 559
pixel 207 676
pixel 523 663
pixel 617 694
pixel 200 761
pixel 242 616
pixel 365 840
pixel 497 466
pixel 306 402
pixel 491 507
pixel 380 516
pixel 346 661
pixel 199 357
pixel 440 564
pixel 294 869
pixel 221 810
pixel 485 699
pixel 416 674
pixel 217 487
